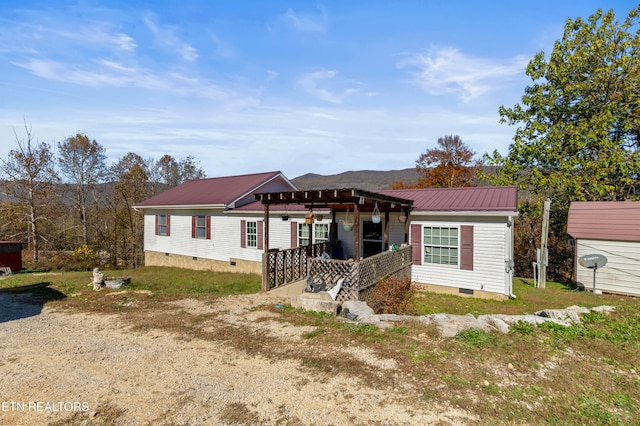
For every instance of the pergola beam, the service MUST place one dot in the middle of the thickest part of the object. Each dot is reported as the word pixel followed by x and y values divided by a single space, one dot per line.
pixel 335 197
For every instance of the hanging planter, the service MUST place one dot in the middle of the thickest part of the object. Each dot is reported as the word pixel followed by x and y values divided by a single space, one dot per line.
pixel 402 218
pixel 375 216
pixel 347 223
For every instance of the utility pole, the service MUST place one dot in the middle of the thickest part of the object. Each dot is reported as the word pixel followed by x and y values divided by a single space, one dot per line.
pixel 542 279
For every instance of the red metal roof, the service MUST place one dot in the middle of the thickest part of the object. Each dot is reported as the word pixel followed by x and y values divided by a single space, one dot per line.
pixel 212 191
pixel 480 198
pixel 485 198
pixel 605 220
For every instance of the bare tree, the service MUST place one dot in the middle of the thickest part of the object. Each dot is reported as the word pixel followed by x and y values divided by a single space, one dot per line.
pixel 168 172
pixel 82 162
pixel 29 173
pixel 131 187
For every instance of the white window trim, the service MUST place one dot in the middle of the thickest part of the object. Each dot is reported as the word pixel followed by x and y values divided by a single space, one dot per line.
pixel 254 243
pixel 424 246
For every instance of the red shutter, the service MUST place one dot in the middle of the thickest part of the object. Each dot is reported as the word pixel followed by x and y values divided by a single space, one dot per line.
pixel 243 233
pixel 466 247
pixel 193 226
pixel 168 225
pixel 157 224
pixel 260 235
pixel 294 234
pixel 208 227
pixel 416 244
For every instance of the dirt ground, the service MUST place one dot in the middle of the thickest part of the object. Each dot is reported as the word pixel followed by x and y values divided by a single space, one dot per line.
pixel 64 368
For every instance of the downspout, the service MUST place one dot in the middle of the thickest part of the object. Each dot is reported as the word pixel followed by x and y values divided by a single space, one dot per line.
pixel 510 259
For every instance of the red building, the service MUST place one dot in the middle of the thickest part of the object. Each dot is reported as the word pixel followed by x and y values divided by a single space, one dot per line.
pixel 11 255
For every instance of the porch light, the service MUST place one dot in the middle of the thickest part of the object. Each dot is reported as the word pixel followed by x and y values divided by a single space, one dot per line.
pixel 285 217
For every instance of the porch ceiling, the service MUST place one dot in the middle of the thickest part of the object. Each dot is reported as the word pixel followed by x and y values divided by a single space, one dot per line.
pixel 337 199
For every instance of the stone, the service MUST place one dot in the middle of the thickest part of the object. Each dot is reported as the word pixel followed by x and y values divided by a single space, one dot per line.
pixel 604 309
pixel 359 308
pixel 98 279
pixel 451 325
pixel 572 313
pixel 314 302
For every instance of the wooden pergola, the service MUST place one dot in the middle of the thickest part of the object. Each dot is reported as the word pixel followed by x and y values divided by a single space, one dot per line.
pixel 339 200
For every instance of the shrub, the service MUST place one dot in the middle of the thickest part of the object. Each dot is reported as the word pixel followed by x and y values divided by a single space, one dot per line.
pixel 392 296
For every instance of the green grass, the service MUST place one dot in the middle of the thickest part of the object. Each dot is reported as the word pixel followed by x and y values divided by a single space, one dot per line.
pixel 528 300
pixel 161 281
pixel 586 373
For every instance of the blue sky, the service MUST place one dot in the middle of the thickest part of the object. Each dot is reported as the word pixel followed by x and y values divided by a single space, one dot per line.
pixel 251 86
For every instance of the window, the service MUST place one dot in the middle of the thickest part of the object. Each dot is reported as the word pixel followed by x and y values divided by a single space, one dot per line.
pixel 321 231
pixel 441 245
pixel 303 234
pixel 162 224
pixel 201 227
pixel 320 234
pixel 252 234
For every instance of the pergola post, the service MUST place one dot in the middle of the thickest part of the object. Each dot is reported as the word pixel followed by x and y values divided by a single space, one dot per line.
pixel 356 232
pixel 386 230
pixel 265 256
pixel 406 226
pixel 266 228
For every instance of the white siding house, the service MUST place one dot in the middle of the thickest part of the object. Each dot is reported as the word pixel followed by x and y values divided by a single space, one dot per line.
pixel 610 229
pixel 462 238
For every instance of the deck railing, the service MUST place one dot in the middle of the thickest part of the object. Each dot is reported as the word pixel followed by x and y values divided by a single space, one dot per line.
pixel 280 267
pixel 359 278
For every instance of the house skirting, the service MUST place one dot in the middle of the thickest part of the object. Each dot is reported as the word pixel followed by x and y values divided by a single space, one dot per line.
pixel 154 258
pixel 480 294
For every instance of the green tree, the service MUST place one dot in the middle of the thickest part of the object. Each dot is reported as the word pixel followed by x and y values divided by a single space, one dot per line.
pixel 578 124
pixel 578 131
pixel 83 163
pixel 29 174
pixel 451 164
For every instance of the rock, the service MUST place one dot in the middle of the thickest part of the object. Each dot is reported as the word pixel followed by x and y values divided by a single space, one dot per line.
pixel 361 309
pixel 572 313
pixel 315 302
pixel 512 319
pixel 451 325
pixel 603 309
pixel 323 295
pixel 98 279
pixel 498 323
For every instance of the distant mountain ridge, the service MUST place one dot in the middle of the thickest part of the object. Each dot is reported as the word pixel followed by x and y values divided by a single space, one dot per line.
pixel 362 179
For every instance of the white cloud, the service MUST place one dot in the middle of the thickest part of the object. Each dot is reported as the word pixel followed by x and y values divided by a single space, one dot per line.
pixel 271 75
pixel 306 23
pixel 315 84
pixel 167 38
pixel 446 70
pixel 98 34
pixel 52 37
pixel 113 74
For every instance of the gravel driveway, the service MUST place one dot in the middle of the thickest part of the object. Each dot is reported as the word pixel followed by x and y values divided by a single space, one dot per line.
pixel 93 369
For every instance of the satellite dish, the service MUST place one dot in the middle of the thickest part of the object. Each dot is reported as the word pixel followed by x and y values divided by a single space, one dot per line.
pixel 592 261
